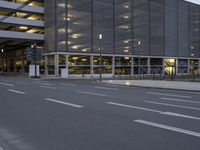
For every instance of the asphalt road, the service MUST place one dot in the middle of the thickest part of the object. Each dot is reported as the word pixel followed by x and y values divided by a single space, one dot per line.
pixel 87 115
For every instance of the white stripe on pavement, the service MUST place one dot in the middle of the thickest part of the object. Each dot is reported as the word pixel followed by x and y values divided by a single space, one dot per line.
pixel 134 107
pixel 179 115
pixel 64 103
pixel 1 148
pixel 179 100
pixel 164 94
pixel 7 84
pixel 18 92
pixel 68 84
pixel 156 111
pixel 178 106
pixel 48 87
pixel 90 93
pixel 162 126
pixel 106 88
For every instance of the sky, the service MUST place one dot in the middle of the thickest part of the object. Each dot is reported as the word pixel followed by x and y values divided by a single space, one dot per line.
pixel 194 1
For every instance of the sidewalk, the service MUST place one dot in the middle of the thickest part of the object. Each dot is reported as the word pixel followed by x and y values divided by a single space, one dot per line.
pixel 175 85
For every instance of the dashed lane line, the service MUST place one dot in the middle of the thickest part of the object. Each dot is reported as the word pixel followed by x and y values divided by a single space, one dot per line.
pixel 172 105
pixel 164 94
pixel 48 87
pixel 64 103
pixel 18 92
pixel 106 88
pixel 90 93
pixel 1 148
pixel 7 84
pixel 155 111
pixel 179 100
pixel 68 84
pixel 170 128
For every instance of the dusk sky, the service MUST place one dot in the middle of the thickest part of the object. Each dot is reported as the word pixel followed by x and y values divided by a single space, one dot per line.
pixel 194 1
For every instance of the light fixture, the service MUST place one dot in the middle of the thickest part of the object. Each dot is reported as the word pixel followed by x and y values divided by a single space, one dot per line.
pixel 2 50
pixel 100 36
pixel 23 27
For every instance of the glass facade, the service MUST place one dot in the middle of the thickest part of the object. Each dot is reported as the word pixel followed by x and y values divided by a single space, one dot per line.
pixel 129 27
pixel 139 36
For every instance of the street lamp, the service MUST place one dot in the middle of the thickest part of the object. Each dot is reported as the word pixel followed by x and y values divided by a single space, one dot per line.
pixel 2 50
pixel 100 61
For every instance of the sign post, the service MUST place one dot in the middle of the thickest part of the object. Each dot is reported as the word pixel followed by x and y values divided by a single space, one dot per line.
pixel 33 54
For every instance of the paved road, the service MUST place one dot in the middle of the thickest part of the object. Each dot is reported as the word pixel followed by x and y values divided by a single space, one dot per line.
pixel 86 115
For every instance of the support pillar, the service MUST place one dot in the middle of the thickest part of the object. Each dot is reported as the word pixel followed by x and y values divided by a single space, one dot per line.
pixel 199 66
pixel 8 65
pixel 113 66
pixel 176 67
pixel 149 65
pixel 163 72
pixel 188 68
pixel 92 66
pixel 56 64
pixel 46 65
pixel 132 66
pixel 15 68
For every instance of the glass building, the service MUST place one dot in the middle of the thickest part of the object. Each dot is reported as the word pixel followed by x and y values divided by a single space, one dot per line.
pixel 139 36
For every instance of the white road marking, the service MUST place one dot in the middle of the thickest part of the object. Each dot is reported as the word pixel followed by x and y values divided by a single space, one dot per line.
pixel 64 103
pixel 18 92
pixel 68 84
pixel 164 94
pixel 90 93
pixel 162 126
pixel 179 100
pixel 198 93
pixel 106 88
pixel 48 87
pixel 178 106
pixel 134 107
pixel 7 84
pixel 179 115
pixel 1 148
pixel 156 111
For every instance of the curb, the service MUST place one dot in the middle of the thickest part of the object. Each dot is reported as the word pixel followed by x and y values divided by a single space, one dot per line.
pixel 187 90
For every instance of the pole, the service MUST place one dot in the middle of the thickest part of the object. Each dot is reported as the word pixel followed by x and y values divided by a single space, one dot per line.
pixel 2 67
pixel 100 60
pixel 34 59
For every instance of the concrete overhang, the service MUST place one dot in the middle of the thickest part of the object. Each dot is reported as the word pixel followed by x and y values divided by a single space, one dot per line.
pixel 14 6
pixel 23 21
pixel 21 35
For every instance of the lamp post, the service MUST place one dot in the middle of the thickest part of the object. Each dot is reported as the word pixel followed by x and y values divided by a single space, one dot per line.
pixel 100 61
pixel 34 58
pixel 2 68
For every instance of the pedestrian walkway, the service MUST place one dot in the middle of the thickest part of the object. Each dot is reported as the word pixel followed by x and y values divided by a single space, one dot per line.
pixel 176 85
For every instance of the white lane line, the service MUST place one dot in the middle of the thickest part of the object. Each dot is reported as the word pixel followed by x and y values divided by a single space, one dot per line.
pixel 156 111
pixel 90 93
pixel 178 106
pixel 18 92
pixel 68 84
pixel 164 94
pixel 1 148
pixel 179 115
pixel 162 126
pixel 48 87
pixel 7 84
pixel 64 103
pixel 106 88
pixel 179 100
pixel 134 107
